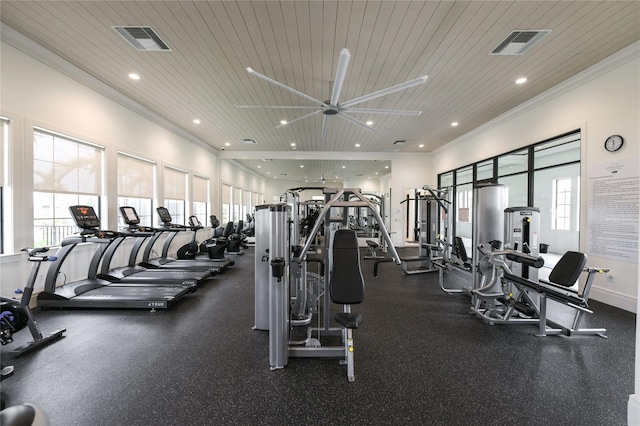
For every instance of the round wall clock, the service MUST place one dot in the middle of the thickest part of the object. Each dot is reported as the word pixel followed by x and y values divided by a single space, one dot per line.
pixel 613 143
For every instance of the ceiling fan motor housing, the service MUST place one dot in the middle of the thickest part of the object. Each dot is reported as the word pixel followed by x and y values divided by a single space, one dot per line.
pixel 329 109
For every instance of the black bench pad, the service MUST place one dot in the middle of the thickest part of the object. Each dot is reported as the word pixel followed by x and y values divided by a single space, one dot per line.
pixel 346 320
pixel 554 293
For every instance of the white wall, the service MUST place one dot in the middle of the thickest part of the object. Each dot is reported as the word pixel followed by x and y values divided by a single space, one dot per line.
pixel 604 102
pixel 239 177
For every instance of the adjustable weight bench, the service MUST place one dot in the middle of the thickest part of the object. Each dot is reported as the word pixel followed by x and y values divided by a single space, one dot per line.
pixel 346 287
pixel 558 288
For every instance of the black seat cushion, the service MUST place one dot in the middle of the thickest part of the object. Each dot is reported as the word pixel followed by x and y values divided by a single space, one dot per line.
pixel 568 269
pixel 348 320
pixel 460 249
pixel 346 284
pixel 564 274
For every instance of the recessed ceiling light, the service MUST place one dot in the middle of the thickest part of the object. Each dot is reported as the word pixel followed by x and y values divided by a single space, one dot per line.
pixel 259 167
pixel 302 166
pixel 134 76
pixel 268 173
pixel 369 123
pixel 421 145
pixel 283 122
pixel 376 172
pixel 454 124
pixel 293 144
pixel 344 167
pixel 521 80
pixel 227 144
pixel 357 145
pixel 196 121
pixel 386 167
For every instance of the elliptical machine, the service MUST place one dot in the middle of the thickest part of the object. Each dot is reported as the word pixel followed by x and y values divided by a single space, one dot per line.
pixel 16 315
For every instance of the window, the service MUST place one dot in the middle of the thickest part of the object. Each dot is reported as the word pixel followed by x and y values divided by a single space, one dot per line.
pixel 516 189
pixel 484 170
pixel 464 210
pixel 246 205
pixel 66 172
pixel 201 198
pixel 464 175
pixel 236 199
pixel 558 151
pixel 544 175
pixel 4 139
pixel 136 185
pixel 226 204
pixel 175 194
pixel 446 180
pixel 561 204
pixel 515 162
pixel 255 201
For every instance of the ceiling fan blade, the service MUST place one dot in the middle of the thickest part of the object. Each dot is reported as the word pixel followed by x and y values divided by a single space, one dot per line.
pixel 381 111
pixel 283 86
pixel 354 121
pixel 324 125
pixel 387 91
pixel 341 71
pixel 276 107
pixel 299 118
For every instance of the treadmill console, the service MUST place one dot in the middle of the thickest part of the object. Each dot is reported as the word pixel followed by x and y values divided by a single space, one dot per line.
pixel 195 222
pixel 130 215
pixel 164 214
pixel 85 217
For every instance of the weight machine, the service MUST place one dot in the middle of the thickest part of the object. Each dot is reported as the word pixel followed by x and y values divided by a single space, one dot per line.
pixel 511 292
pixel 283 289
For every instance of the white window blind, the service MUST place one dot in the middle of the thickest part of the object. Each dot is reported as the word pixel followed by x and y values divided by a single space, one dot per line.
pixel 200 189
pixel 136 177
pixel 175 184
pixel 4 134
pixel 237 199
pixel 65 165
pixel 226 203
pixel 246 204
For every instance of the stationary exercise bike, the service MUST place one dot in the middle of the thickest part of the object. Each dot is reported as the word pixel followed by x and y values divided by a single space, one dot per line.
pixel 16 315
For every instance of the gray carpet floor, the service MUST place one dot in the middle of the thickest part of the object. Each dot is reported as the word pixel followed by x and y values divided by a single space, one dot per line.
pixel 420 358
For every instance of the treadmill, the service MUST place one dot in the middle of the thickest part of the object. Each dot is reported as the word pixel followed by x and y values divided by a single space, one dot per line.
pixel 167 262
pixel 133 274
pixel 94 292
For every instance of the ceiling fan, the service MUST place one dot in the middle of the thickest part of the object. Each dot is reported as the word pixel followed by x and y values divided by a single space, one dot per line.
pixel 332 106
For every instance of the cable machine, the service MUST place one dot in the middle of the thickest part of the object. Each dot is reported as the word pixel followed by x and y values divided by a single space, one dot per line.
pixel 297 328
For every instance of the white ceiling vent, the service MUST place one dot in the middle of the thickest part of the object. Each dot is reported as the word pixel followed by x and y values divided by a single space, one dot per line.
pixel 143 38
pixel 519 41
pixel 248 141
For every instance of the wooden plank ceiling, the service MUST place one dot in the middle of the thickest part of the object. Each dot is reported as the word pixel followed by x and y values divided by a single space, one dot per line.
pixel 298 44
